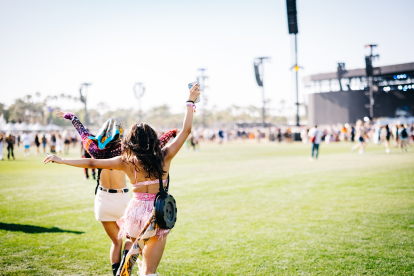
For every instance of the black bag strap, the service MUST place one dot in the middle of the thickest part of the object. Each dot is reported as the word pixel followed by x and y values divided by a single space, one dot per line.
pixel 106 155
pixel 161 188
pixel 97 180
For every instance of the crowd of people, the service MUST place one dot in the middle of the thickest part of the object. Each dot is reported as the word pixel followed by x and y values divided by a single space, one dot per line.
pixel 390 135
pixel 366 131
pixel 397 135
pixel 53 142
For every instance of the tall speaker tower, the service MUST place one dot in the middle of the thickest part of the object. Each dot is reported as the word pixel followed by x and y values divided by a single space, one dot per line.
pixel 293 29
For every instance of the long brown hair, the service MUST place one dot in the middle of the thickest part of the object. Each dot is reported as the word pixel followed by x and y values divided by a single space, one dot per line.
pixel 142 141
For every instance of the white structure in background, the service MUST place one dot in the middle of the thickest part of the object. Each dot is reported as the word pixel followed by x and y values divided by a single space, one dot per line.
pixel 37 127
pixel 51 127
pixel 22 126
pixel 3 122
pixel 27 127
pixel 9 127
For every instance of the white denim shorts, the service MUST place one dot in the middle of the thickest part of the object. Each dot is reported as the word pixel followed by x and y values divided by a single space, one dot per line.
pixel 110 207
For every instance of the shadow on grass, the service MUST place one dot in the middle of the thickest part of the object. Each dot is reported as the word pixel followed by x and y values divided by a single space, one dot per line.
pixel 32 229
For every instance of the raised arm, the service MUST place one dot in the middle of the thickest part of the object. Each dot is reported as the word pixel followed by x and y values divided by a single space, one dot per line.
pixel 112 163
pixel 172 149
pixel 88 143
pixel 83 132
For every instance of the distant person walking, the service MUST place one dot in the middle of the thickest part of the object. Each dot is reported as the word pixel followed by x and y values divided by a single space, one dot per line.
pixel 53 143
pixel 59 143
pixel 194 142
pixel 26 143
pixel 352 134
pixel 402 137
pixel 10 140
pixel 360 134
pixel 386 133
pixel 1 145
pixel 74 139
pixel 279 135
pixel 37 143
pixel 315 137
pixel 66 138
pixel 44 142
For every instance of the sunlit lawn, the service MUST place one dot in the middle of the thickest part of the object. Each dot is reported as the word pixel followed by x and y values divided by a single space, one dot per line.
pixel 243 209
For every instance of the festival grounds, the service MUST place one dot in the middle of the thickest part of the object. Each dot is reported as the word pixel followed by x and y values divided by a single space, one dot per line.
pixel 243 209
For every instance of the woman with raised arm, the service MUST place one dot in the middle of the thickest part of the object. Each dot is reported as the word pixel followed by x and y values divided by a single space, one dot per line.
pixel 112 195
pixel 143 161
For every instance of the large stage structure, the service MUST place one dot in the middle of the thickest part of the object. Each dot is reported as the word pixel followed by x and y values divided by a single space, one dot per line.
pixel 344 96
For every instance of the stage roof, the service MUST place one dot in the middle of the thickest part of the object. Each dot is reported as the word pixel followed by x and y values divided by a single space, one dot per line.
pixel 353 73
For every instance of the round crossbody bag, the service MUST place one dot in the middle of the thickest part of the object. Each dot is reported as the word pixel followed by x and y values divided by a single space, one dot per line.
pixel 165 207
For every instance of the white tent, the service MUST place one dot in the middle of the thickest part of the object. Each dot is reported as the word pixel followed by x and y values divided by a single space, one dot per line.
pixel 50 127
pixel 3 122
pixel 9 127
pixel 22 126
pixel 37 127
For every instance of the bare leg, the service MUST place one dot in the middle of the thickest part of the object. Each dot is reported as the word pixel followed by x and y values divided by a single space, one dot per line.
pixel 112 230
pixel 151 255
pixel 128 244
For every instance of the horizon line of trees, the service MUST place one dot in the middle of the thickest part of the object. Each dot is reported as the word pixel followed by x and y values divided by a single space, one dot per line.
pixel 28 110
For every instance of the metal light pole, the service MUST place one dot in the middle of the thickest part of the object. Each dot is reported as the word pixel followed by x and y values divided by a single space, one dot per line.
pixel 297 81
pixel 370 73
pixel 83 99
pixel 201 81
pixel 260 80
pixel 293 29
pixel 138 95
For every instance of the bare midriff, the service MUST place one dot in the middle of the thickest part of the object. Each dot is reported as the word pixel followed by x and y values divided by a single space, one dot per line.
pixel 151 189
pixel 113 179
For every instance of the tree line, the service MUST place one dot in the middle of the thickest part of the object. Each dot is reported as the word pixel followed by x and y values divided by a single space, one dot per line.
pixel 34 108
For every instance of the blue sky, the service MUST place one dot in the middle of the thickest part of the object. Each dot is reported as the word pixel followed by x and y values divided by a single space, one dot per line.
pixel 54 46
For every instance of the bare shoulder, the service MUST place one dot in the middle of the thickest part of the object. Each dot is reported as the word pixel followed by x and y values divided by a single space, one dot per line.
pixel 126 165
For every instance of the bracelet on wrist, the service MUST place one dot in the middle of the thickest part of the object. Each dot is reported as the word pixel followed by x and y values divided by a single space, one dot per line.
pixel 190 101
pixel 189 104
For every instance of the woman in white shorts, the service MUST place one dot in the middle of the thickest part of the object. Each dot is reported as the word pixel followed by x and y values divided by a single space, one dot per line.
pixel 112 194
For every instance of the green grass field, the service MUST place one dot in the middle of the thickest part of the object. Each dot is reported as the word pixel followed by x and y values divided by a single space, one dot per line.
pixel 243 209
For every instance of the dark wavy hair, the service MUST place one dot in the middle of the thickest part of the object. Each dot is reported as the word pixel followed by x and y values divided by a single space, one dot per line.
pixel 142 141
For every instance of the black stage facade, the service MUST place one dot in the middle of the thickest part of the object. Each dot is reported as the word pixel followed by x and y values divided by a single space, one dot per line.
pixel 343 96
